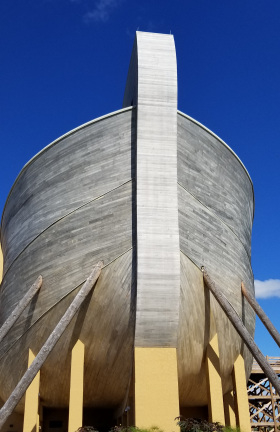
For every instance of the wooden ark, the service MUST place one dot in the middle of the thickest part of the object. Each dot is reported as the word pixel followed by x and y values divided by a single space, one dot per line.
pixel 155 195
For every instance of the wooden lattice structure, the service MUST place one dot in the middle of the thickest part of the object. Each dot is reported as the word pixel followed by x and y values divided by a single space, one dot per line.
pixel 264 402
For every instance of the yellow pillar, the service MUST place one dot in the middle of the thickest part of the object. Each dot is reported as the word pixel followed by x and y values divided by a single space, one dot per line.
pixel 30 422
pixel 156 388
pixel 76 387
pixel 214 383
pixel 230 419
pixel 241 397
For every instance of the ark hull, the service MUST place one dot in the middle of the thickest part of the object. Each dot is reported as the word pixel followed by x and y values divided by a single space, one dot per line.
pixel 74 204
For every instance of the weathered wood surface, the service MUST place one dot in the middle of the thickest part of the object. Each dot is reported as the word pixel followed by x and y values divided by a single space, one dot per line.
pixel 20 307
pixel 83 165
pixel 215 228
pixel 154 68
pixel 85 199
pixel 210 171
pixel 196 329
pixel 261 314
pixel 1 264
pixel 242 331
pixel 101 227
pixel 108 340
pixel 207 241
pixel 48 346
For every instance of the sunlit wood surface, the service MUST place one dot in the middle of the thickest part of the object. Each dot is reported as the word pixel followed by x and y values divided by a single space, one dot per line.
pixel 81 200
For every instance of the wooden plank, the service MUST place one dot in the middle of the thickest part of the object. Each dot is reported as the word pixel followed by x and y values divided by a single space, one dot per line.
pixel 261 314
pixel 108 339
pixel 158 259
pixel 214 175
pixel 100 230
pixel 75 169
pixel 242 331
pixel 46 349
pixel 20 307
pixel 196 329
pixel 207 241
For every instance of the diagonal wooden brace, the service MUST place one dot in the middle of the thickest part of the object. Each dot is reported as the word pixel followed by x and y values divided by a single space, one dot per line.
pixel 261 314
pixel 20 307
pixel 46 349
pixel 242 331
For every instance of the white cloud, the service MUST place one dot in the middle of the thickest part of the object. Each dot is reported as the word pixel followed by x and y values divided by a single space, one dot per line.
pixel 267 288
pixel 102 10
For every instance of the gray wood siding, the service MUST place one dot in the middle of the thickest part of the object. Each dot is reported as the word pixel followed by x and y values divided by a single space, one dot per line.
pixel 208 170
pixel 65 252
pixel 216 205
pixel 94 220
pixel 208 242
pixel 77 168
pixel 105 324
pixel 188 203
pixel 196 328
pixel 158 261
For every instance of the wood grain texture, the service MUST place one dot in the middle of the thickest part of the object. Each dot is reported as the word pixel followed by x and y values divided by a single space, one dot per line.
pixel 237 323
pixel 216 204
pixel 207 241
pixel 261 314
pixel 108 342
pixel 158 260
pixel 94 222
pixel 77 168
pixel 22 304
pixel 196 329
pixel 48 346
pixel 100 230
pixel 194 207
pixel 1 264
pixel 209 171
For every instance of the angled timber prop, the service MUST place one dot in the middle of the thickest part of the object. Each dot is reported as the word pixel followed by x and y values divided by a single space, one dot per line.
pixel 46 349
pixel 261 314
pixel 242 331
pixel 24 302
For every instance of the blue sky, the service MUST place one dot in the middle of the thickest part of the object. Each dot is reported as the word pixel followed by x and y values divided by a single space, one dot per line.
pixel 64 62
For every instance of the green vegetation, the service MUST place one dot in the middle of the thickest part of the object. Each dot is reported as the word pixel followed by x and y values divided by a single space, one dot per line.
pixel 185 424
pixel 121 429
pixel 230 429
pixel 135 429
pixel 86 429
pixel 198 425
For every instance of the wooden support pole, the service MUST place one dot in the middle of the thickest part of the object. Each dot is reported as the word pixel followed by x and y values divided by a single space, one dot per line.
pixel 214 383
pixel 242 331
pixel 20 307
pixel 261 314
pixel 46 349
pixel 76 387
pixel 30 421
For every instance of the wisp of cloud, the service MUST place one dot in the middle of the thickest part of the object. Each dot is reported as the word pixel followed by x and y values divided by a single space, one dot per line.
pixel 102 10
pixel 267 288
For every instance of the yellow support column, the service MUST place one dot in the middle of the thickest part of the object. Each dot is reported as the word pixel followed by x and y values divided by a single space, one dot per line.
pixel 30 422
pixel 230 419
pixel 76 387
pixel 214 383
pixel 241 397
pixel 156 388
